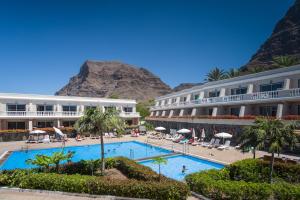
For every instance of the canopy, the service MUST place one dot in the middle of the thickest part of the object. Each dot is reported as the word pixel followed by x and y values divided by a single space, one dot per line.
pixel 37 132
pixel 184 130
pixel 223 135
pixel 58 132
pixel 160 128
pixel 203 133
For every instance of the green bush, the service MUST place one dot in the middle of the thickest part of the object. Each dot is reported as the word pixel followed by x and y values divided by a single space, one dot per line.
pixel 247 179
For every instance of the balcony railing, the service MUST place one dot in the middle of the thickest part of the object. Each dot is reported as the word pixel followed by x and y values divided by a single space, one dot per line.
pixel 278 94
pixel 55 114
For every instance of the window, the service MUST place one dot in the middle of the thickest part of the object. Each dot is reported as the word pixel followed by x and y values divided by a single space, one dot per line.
pixel 69 108
pixel 196 97
pixel 127 109
pixel 210 111
pixel 214 93
pixel 268 110
pixel 42 108
pixel 236 91
pixel 16 107
pixel 271 87
pixel 68 123
pixel 183 99
pixel 235 111
pixel 298 83
pixel 110 108
pixel 90 107
pixel 16 125
pixel 173 100
pixel 44 124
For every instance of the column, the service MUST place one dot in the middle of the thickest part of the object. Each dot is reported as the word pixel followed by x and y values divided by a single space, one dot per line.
pixel 281 110
pixel 222 92
pixel 250 89
pixel 201 95
pixel 157 113
pixel 242 111
pixel 170 101
pixel 194 111
pixel 171 113
pixel 286 84
pixel 163 102
pixel 30 126
pixel 188 98
pixel 181 112
pixel 58 108
pixel 157 103
pixel 151 114
pixel 81 108
pixel 163 113
pixel 58 123
pixel 214 112
pixel 177 99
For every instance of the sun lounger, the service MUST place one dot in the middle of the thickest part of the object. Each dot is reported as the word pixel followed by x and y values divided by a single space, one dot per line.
pixel 215 144
pixel 207 144
pixel 225 146
pixel 179 139
pixel 183 141
pixel 112 135
pixel 46 139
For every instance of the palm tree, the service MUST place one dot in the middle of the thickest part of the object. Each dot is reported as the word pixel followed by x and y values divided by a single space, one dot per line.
pixel 96 121
pixel 42 161
pixel 252 137
pixel 232 72
pixel 57 157
pixel 257 69
pixel 159 161
pixel 285 61
pixel 216 74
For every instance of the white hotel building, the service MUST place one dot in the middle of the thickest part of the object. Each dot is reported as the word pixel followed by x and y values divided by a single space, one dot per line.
pixel 234 101
pixel 26 111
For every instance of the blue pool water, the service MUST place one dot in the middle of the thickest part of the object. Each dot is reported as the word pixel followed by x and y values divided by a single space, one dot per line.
pixel 132 150
pixel 173 168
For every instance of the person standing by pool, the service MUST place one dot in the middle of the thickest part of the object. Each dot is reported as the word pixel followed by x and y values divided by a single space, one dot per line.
pixel 183 169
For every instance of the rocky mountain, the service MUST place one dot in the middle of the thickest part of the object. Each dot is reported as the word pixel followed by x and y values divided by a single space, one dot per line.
pixel 285 40
pixel 107 79
pixel 184 86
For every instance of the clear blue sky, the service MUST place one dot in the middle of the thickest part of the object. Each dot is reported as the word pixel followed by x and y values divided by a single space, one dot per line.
pixel 44 43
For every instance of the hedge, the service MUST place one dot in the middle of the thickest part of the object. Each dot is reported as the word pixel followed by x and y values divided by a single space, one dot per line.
pixel 247 180
pixel 142 182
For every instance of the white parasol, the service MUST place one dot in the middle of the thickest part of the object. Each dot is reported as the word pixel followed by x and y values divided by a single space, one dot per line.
pixel 184 130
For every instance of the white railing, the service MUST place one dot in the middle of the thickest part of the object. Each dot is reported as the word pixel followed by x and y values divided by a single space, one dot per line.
pixel 238 98
pixel 129 114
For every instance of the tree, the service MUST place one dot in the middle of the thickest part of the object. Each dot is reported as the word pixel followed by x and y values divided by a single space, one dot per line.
pixel 257 69
pixel 216 74
pixel 144 108
pixel 58 157
pixel 97 122
pixel 232 72
pixel 41 161
pixel 285 61
pixel 252 137
pixel 159 161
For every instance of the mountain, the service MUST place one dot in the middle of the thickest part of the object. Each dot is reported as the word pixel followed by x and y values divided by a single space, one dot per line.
pixel 107 79
pixel 284 41
pixel 184 86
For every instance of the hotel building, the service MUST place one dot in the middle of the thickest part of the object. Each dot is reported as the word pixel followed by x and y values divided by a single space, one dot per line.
pixel 26 111
pixel 233 101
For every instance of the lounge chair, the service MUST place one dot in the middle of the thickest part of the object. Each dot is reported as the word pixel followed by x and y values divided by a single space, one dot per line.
pixel 215 144
pixel 183 141
pixel 179 139
pixel 225 146
pixel 112 135
pixel 176 137
pixel 168 137
pixel 46 139
pixel 207 144
pixel 191 141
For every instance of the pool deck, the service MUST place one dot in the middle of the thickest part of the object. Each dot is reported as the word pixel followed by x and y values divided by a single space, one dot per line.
pixel 220 156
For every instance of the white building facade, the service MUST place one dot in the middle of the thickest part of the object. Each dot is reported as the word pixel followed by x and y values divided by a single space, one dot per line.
pixel 26 111
pixel 273 93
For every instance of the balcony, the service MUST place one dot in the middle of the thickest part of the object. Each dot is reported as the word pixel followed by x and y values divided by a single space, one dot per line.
pixel 54 114
pixel 236 99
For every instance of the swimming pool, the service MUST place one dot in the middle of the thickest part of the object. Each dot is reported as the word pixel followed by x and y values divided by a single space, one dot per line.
pixel 132 150
pixel 173 168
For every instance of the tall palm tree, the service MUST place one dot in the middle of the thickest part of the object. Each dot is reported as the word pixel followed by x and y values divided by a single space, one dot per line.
pixel 216 74
pixel 159 161
pixel 285 61
pixel 278 135
pixel 252 137
pixel 232 72
pixel 96 121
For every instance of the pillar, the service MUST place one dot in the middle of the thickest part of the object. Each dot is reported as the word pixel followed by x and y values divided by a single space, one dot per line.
pixel 194 110
pixel 177 99
pixel 170 101
pixel 157 103
pixel 250 89
pixel 214 112
pixel 279 111
pixel 286 84
pixel 163 113
pixel 157 113
pixel 30 126
pixel 242 111
pixel 171 113
pixel 151 114
pixel 181 112
pixel 58 123
pixel 222 92
pixel 188 98
pixel 201 95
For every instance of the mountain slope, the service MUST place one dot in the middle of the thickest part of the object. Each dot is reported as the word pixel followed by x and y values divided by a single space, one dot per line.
pixel 285 40
pixel 106 79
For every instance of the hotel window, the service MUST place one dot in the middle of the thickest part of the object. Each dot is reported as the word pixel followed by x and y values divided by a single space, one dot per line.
pixel 210 111
pixel 235 111
pixel 237 91
pixel 271 87
pixel 16 107
pixel 69 108
pixel 215 93
pixel 16 125
pixel 110 108
pixel 268 110
pixel 173 100
pixel 127 109
pixel 44 124
pixel 196 97
pixel 68 123
pixel 90 107
pixel 43 108
pixel 183 99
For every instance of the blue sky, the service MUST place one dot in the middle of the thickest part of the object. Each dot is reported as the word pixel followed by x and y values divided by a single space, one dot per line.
pixel 44 43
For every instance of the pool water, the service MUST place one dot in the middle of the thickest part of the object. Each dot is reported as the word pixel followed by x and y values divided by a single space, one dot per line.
pixel 173 168
pixel 132 150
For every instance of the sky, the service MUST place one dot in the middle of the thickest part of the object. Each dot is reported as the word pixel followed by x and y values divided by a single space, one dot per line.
pixel 44 43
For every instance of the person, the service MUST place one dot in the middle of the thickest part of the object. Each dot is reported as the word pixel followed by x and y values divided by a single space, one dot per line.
pixel 183 169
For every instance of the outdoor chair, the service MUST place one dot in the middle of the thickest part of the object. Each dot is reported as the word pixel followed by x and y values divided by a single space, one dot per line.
pixel 207 144
pixel 225 146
